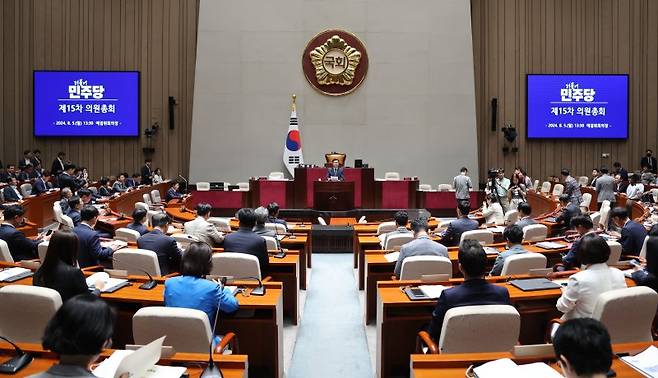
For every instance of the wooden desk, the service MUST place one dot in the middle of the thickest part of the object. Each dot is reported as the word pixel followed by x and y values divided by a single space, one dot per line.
pixel 363 179
pixel 396 194
pixel 125 203
pixel 455 365
pixel 540 203
pixel 399 320
pixel 258 323
pixel 302 244
pixel 333 196
pixel 379 269
pixel 39 209
pixel 29 229
pixel 264 191
pixel 232 366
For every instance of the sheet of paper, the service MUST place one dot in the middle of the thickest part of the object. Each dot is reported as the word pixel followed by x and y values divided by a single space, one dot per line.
pixel 392 257
pixel 10 273
pixel 645 362
pixel 432 291
pixel 496 369
pixel 537 370
pixel 550 245
pixel 497 229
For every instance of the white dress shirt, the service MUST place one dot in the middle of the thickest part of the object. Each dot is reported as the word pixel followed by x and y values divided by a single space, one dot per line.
pixel 584 288
pixel 635 191
pixel 493 213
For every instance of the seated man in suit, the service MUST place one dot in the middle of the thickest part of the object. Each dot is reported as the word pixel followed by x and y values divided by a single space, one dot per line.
pixel 169 255
pixel 401 220
pixel 172 193
pixel 11 191
pixel 119 185
pixel 513 235
pixel 10 171
pixel 273 210
pixel 20 247
pixel 41 184
pixel 91 252
pixel 474 291
pixel 583 348
pixel 568 210
pixel 422 245
pixel 66 179
pixel 75 205
pixel 139 221
pixel 452 235
pixel 104 189
pixel 244 240
pixel 86 196
pixel 261 218
pixel 202 229
pixel 28 173
pixel 65 195
pixel 583 225
pixel 632 233
pixel 525 219
pixel 335 172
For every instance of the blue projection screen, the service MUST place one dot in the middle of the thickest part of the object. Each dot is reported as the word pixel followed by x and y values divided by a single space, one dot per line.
pixel 86 103
pixel 577 106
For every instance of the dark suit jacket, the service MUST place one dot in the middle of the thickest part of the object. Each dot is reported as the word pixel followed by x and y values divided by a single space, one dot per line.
pixel 67 280
pixel 138 227
pixel 104 191
pixel 456 228
pixel 165 247
pixel 57 167
pixel 277 220
pixel 246 241
pixel 67 181
pixel 75 216
pixel 470 293
pixel 20 247
pixel 10 194
pixel 91 253
pixel 567 213
pixel 652 167
pixel 39 186
pixel 339 172
pixel 147 175
pixel 632 238
pixel 171 194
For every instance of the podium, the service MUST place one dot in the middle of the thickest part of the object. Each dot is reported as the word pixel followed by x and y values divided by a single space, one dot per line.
pixel 333 195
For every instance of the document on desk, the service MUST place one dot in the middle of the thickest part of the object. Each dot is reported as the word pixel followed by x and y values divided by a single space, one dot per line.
pixel 508 368
pixel 14 274
pixel 497 229
pixel 645 362
pixel 432 291
pixel 138 364
pixel 392 257
pixel 118 244
pixel 111 284
pixel 550 245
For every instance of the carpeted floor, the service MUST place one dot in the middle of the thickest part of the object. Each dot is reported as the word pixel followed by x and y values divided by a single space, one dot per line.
pixel 331 341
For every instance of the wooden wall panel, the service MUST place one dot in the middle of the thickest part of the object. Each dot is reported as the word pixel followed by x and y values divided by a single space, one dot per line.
pixel 514 37
pixel 155 37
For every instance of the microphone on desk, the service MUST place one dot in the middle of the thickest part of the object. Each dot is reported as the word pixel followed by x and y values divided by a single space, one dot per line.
pixel 15 364
pixel 212 370
pixel 150 284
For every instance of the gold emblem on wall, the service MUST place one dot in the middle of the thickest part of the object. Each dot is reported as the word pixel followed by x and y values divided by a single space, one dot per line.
pixel 335 62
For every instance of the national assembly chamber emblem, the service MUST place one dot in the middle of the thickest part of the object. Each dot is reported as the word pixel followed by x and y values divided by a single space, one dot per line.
pixel 335 62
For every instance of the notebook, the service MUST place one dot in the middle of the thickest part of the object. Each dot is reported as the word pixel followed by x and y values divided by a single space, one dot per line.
pixel 14 274
pixel 111 284
pixel 424 292
pixel 550 245
pixel 535 284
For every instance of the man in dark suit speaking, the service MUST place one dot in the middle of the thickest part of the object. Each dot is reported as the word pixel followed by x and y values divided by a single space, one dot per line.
pixel 473 292
pixel 335 172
